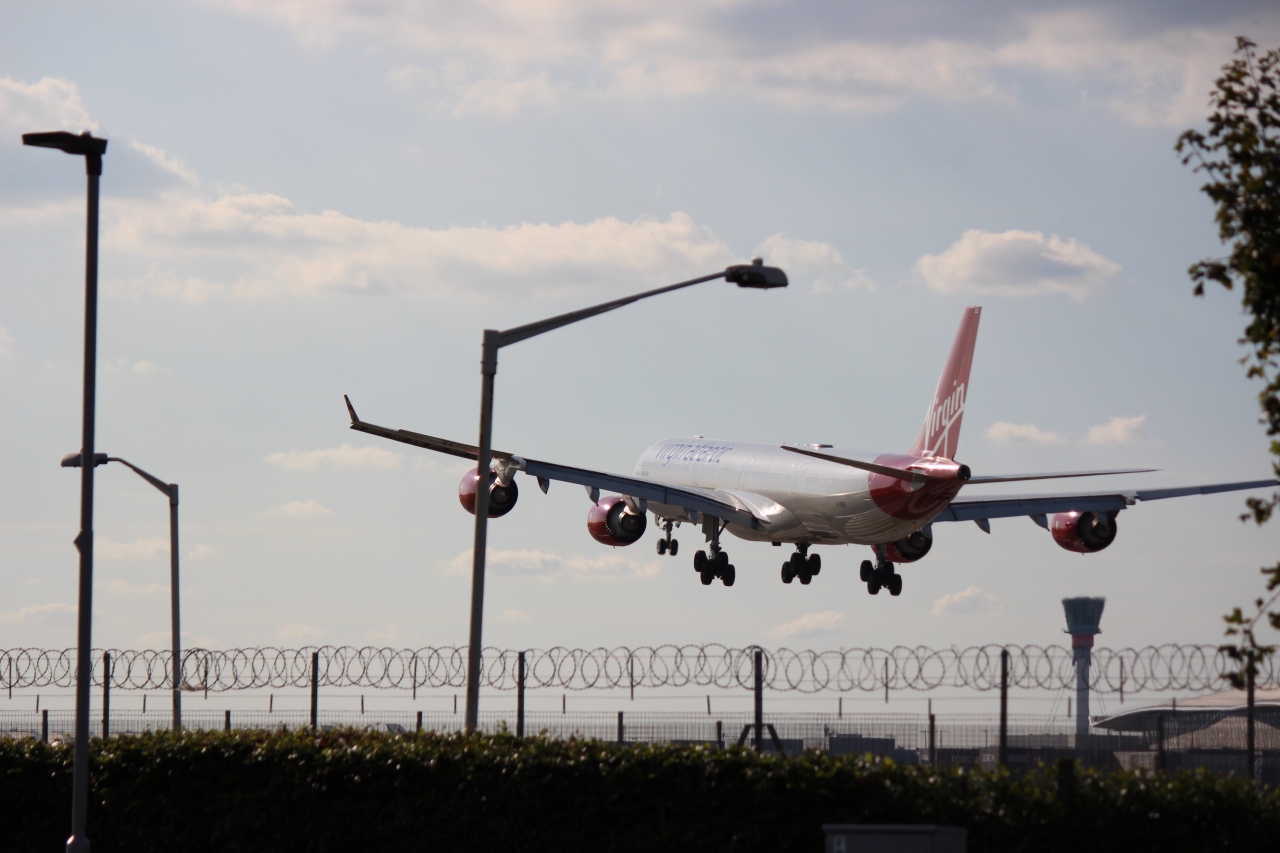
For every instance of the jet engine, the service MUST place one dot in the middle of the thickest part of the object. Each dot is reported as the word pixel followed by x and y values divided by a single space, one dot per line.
pixel 1083 532
pixel 502 498
pixel 611 522
pixel 909 548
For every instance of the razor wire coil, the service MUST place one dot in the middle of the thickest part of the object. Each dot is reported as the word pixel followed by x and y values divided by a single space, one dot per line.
pixel 1168 667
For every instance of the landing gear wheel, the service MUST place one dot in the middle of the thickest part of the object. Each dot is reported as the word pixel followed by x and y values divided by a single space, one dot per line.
pixel 728 576
pixel 815 564
pixel 805 578
pixel 787 575
pixel 700 562
pixel 673 548
pixel 873 586
pixel 707 577
pixel 721 561
pixel 895 585
pixel 662 547
pixel 866 571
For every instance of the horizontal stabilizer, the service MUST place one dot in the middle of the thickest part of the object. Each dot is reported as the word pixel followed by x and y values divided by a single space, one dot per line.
pixel 874 468
pixel 1015 478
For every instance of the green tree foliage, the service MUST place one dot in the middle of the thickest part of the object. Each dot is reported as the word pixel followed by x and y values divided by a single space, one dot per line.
pixel 349 790
pixel 1240 154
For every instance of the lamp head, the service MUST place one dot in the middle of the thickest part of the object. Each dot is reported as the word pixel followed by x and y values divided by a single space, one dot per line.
pixel 72 460
pixel 755 274
pixel 85 144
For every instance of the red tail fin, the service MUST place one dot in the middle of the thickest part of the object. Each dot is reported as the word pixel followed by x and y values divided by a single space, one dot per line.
pixel 941 431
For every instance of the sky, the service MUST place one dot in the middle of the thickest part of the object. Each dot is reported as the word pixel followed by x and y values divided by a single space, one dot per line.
pixel 302 200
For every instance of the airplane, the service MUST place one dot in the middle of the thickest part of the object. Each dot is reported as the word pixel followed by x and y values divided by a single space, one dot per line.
pixel 815 494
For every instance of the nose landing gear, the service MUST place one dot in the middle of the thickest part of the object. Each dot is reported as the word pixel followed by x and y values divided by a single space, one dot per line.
pixel 802 565
pixel 667 545
pixel 881 575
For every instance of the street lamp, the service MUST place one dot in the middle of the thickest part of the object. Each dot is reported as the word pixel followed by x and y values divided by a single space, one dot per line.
pixel 753 275
pixel 73 460
pixel 92 149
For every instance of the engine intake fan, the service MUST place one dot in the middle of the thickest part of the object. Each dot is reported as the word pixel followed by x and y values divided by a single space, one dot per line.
pixel 502 498
pixel 611 522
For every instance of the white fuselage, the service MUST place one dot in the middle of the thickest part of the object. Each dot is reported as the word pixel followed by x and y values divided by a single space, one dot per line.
pixel 802 499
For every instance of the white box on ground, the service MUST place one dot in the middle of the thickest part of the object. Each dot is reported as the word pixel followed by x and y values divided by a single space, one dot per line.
pixel 895 838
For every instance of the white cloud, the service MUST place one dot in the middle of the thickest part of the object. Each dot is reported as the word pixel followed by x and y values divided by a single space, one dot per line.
pixel 34 612
pixel 807 262
pixel 137 169
pixel 1003 432
pixel 345 456
pixel 294 632
pixel 1016 263
pixel 297 509
pixel 6 343
pixel 506 55
pixel 969 602
pixel 258 246
pixel 541 566
pixel 383 635
pixel 809 625
pixel 48 104
pixel 514 616
pixel 145 367
pixel 202 552
pixel 142 548
pixel 1117 431
pixel 164 639
pixel 121 587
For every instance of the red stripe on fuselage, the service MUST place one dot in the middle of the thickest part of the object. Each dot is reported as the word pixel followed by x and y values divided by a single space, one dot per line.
pixel 895 497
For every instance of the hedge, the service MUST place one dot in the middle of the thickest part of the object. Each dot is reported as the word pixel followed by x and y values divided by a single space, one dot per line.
pixel 359 790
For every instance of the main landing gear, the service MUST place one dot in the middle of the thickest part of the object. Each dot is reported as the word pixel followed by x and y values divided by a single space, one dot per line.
pixel 801 565
pixel 710 566
pixel 881 575
pixel 668 545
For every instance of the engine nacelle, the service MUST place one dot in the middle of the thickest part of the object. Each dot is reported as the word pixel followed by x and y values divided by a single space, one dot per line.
pixel 502 499
pixel 611 522
pixel 909 548
pixel 1083 532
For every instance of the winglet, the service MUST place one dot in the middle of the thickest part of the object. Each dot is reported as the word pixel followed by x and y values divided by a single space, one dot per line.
pixel 355 419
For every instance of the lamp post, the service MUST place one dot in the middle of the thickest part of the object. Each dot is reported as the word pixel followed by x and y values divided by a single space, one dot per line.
pixel 753 275
pixel 91 148
pixel 73 460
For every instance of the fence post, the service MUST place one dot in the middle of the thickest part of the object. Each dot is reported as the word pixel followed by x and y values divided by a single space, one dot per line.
pixel 720 734
pixel 520 675
pixel 419 728
pixel 106 694
pixel 1253 767
pixel 759 685
pixel 1160 762
pixel 1004 707
pixel 620 738
pixel 44 725
pixel 933 744
pixel 315 689
pixel 226 721
pixel 414 677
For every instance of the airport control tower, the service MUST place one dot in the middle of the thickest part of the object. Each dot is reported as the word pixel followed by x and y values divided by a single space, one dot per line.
pixel 1083 618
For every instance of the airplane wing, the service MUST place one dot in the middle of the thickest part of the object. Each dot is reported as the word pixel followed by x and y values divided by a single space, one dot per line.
pixel 981 508
pixel 707 501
